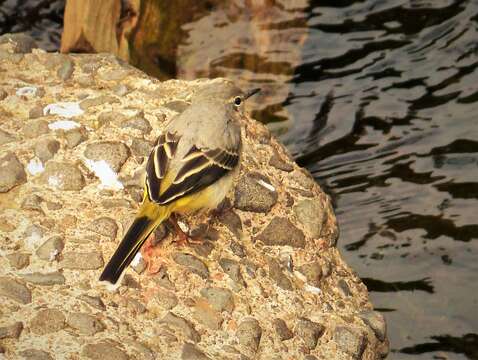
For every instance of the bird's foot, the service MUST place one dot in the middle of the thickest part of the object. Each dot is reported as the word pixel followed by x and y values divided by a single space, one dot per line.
pixel 183 238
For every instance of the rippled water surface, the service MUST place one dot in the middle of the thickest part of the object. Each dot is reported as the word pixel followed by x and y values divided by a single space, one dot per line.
pixel 379 100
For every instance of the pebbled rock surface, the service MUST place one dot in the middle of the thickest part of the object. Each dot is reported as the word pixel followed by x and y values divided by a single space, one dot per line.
pixel 266 283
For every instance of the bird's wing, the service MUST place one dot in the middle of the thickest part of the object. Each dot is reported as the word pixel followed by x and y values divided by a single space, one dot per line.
pixel 200 168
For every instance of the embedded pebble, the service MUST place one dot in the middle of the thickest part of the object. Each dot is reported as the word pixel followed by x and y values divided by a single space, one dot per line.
pixel 15 290
pixel 276 274
pixel 350 341
pixel 53 278
pixel 206 315
pixel 45 149
pixel 82 260
pixel 84 323
pixel 35 128
pixel 282 329
pixel 141 147
pixel 100 100
pixel 166 299
pixel 113 152
pixel 32 202
pixel 3 95
pixel 75 136
pixel 63 176
pixel 344 287
pixel 278 162
pixel 162 279
pixel 178 105
pixel 238 249
pixel 192 263
pixel 313 273
pixel 219 298
pixel 183 325
pixel 19 260
pixel 139 123
pixel 6 138
pixel 103 351
pixel 281 232
pixel 104 226
pixel 11 331
pixel 233 222
pixel 66 69
pixel 311 215
pixel 309 331
pixel 136 306
pixel 249 333
pixel 21 42
pixel 12 172
pixel 376 322
pixel 35 112
pixel 255 193
pixel 47 321
pixel 107 117
pixel 35 354
pixel 232 268
pixel 51 248
pixel 94 301
pixel 191 352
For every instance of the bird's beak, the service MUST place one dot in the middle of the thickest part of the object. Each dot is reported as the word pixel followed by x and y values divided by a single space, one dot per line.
pixel 251 92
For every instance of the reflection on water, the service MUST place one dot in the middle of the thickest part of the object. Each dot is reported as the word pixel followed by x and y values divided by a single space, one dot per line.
pixel 379 100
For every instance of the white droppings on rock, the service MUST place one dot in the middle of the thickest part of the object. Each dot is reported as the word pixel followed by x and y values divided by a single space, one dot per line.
pixel 53 254
pixel 183 226
pixel 26 91
pixel 108 178
pixel 54 181
pixel 312 289
pixel 136 260
pixel 35 166
pixel 63 125
pixel 34 239
pixel 266 185
pixel 66 109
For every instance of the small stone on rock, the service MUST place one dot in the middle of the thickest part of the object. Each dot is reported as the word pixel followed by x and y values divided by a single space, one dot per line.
pixel 35 354
pixel 278 162
pixel 11 331
pixel 249 334
pixel 376 322
pixel 6 137
pixel 141 147
pixel 219 298
pixel 276 274
pixel 100 100
pixel 53 278
pixel 47 321
pixel 66 69
pixel 75 136
pixel 45 149
pixel 19 260
pixel 12 172
pixel 282 330
pixel 51 248
pixel 32 202
pixel 232 268
pixel 233 222
pixel 85 324
pixel 93 301
pixel 82 260
pixel 191 352
pixel 113 152
pixel 15 290
pixel 182 324
pixel 313 273
pixel 281 232
pixel 35 128
pixel 104 226
pixel 104 351
pixel 309 331
pixel 63 176
pixel 138 123
pixel 192 263
pixel 255 193
pixel 311 215
pixel 350 341
pixel 206 315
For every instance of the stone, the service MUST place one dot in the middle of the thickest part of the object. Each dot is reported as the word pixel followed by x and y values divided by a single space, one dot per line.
pixel 48 279
pixel 278 162
pixel 255 193
pixel 192 263
pixel 376 322
pixel 51 248
pixel 75 136
pixel 310 214
pixel 136 306
pixel 249 333
pixel 166 299
pixel 63 176
pixel 130 281
pixel 233 223
pixel 309 332
pixel 206 315
pixel 185 326
pixel 282 329
pixel 104 226
pixel 46 148
pixel 238 249
pixel 35 112
pixel 35 128
pixel 100 100
pixel 66 69
pixel 35 354
pixel 22 43
pixel 162 279
pixel 203 249
pixel 138 123
pixel 232 268
pixel 47 321
pixel 115 153
pixel 6 138
pixel 276 274
pixel 11 331
pixel 3 95
pixel 350 341
pixel 121 90
pixel 220 299
pixel 139 266
pixel 19 260
pixel 313 273
pixel 141 350
pixel 344 287
pixel 281 232
pixel 84 323
pixel 103 350
pixel 107 117
pixel 141 147
pixel 82 260
pixel 12 172
pixel 191 352
pixel 15 290
pixel 32 202
pixel 93 301
pixel 177 105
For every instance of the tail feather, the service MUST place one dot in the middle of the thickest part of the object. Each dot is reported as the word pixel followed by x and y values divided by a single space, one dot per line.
pixel 149 217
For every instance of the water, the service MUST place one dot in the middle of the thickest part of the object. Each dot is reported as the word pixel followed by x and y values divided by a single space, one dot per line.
pixel 379 100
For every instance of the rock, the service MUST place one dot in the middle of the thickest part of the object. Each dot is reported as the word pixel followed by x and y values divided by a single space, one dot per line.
pixel 167 299
pixel 141 350
pixel 136 306
pixel 35 112
pixel 162 279
pixel 310 214
pixel 192 263
pixel 255 193
pixel 220 299
pixel 53 278
pixel 35 128
pixel 21 42
pixel 232 268
pixel 278 276
pixel 103 351
pixel 344 287
pixel 141 147
pixel 19 260
pixel 12 172
pixel 204 248
pixel 233 223
pixel 115 153
pixel 66 69
pixel 278 162
pixel 107 117
pixel 183 325
pixel 282 330
pixel 121 90
pixel 47 321
pixel 11 331
pixel 46 148
pixel 376 322
pixel 100 100
pixel 35 354
pixel 32 202
pixel 313 273
pixel 62 176
pixel 15 290
pixel 75 136
pixel 82 260
pixel 94 301
pixel 139 266
pixel 51 248
pixel 104 226
pixel 238 249
pixel 249 333
pixel 85 324
pixel 281 232
pixel 206 315
pixel 350 341
pixel 309 331
pixel 6 138
pixel 191 352
pixel 138 123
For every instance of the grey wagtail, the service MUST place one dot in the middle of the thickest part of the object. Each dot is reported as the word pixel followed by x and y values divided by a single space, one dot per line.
pixel 191 167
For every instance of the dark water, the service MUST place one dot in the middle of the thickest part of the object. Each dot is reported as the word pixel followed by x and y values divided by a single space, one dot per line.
pixel 379 100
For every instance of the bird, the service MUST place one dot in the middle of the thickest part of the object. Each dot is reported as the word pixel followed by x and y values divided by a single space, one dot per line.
pixel 191 167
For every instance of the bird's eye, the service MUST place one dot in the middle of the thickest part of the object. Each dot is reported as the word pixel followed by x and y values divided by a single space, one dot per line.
pixel 237 101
